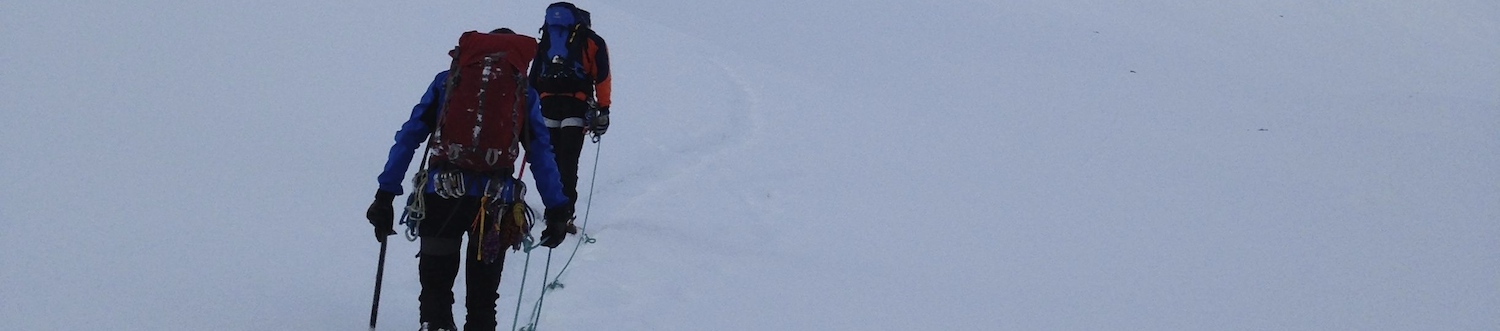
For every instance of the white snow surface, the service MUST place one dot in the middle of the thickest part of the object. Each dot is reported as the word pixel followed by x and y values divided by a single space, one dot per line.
pixel 782 165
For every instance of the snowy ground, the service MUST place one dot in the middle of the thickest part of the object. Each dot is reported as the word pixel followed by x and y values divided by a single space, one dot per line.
pixel 840 165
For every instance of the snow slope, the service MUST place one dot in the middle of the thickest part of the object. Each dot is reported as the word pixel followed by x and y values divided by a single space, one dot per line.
pixel 840 165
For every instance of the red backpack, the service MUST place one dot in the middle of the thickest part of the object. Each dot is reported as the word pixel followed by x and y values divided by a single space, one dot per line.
pixel 485 105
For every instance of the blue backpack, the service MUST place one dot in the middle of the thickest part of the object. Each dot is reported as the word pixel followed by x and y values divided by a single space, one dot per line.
pixel 565 36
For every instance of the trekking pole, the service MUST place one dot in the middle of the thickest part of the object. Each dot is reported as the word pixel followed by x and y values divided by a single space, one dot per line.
pixel 379 274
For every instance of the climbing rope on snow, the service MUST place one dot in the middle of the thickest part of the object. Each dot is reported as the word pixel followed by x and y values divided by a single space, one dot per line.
pixel 527 242
pixel 547 286
pixel 583 236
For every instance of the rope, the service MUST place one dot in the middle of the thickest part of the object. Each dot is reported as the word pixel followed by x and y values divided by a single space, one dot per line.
pixel 416 203
pixel 536 310
pixel 584 237
pixel 526 267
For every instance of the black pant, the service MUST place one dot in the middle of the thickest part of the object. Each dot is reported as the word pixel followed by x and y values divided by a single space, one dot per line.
pixel 567 142
pixel 442 233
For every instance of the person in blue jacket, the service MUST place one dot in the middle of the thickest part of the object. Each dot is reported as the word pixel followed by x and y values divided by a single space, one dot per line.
pixel 447 218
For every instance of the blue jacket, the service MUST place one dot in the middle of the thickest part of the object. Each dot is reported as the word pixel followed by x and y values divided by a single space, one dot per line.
pixel 414 132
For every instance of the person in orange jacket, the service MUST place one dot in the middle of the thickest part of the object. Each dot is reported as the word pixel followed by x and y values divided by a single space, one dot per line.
pixel 571 71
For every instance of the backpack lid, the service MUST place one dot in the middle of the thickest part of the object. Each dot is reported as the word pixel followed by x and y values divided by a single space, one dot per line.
pixel 566 14
pixel 473 46
pixel 560 14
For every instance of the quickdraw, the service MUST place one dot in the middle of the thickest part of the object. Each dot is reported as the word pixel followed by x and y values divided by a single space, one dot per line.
pixel 450 184
pixel 502 197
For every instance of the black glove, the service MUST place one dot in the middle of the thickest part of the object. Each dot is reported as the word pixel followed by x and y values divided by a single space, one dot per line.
pixel 559 226
pixel 381 215
pixel 599 121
